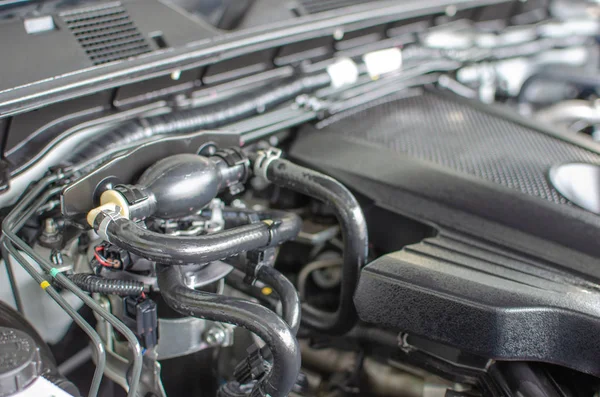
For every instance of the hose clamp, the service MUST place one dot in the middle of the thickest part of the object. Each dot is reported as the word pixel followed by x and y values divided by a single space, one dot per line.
pixel 255 260
pixel 103 220
pixel 264 160
pixel 232 156
pixel 133 194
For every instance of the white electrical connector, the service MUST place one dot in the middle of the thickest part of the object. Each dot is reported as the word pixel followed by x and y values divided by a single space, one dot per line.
pixel 383 61
pixel 39 24
pixel 577 27
pixel 343 72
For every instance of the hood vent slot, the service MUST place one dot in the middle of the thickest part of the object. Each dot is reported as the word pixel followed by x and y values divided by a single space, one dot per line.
pixel 106 33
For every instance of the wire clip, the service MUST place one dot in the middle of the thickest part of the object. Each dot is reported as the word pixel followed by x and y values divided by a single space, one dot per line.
pixel 257 259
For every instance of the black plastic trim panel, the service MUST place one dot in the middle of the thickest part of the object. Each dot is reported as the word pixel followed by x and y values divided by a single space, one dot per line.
pixel 475 296
pixel 227 46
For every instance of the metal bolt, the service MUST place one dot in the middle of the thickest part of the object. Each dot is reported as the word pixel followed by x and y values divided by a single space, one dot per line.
pixel 237 203
pixel 451 10
pixel 338 34
pixel 56 257
pixel 214 336
pixel 176 75
pixel 50 226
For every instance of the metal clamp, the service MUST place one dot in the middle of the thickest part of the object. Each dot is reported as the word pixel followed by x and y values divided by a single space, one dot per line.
pixel 103 219
pixel 132 194
pixel 255 260
pixel 232 156
pixel 264 159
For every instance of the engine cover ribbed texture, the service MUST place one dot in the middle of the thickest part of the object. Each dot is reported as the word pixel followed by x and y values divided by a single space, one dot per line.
pixel 456 136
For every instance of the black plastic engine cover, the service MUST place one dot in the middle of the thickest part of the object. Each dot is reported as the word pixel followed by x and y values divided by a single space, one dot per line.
pixel 513 272
pixel 484 300
pixel 462 165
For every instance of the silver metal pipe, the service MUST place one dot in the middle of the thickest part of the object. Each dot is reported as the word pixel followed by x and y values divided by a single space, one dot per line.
pixel 568 112
pixel 10 233
pixel 91 333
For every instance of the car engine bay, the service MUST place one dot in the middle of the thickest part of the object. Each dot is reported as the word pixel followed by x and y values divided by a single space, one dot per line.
pixel 305 198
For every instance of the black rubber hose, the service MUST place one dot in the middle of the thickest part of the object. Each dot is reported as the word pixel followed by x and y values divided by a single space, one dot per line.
pixel 290 302
pixel 252 316
pixel 178 250
pixel 235 217
pixel 559 74
pixel 271 277
pixel 354 230
pixel 375 335
pixel 93 283
pixel 208 117
pixel 236 280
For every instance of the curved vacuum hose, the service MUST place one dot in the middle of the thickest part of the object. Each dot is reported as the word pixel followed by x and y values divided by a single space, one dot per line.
pixel 212 116
pixel 178 250
pixel 354 229
pixel 254 317
pixel 559 73
pixel 290 302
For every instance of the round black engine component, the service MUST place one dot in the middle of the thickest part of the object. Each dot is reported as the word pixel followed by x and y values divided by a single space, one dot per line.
pixel 28 355
pixel 20 361
pixel 179 185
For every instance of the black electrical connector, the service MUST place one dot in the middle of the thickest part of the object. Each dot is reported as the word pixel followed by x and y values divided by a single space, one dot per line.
pixel 254 367
pixel 142 317
pixel 111 256
pixel 116 253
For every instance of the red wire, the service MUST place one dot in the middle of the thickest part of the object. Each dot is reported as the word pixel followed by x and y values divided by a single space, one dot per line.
pixel 100 259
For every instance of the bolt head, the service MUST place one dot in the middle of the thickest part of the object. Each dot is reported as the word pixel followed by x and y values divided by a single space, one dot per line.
pixel 214 336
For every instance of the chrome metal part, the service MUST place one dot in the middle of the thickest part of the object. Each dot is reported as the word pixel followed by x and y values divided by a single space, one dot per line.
pixel 571 112
pixel 319 236
pixel 265 157
pixel 579 183
pixel 151 383
pixel 214 336
pixel 184 336
pixel 200 275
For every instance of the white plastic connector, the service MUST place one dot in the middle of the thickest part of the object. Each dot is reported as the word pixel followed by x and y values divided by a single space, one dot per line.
pixel 383 61
pixel 343 72
pixel 578 27
pixel 91 216
pixel 39 24
pixel 110 200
